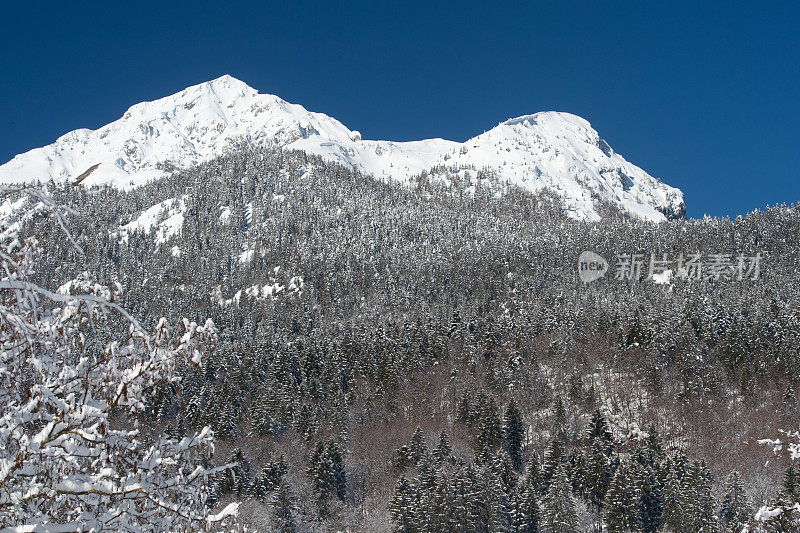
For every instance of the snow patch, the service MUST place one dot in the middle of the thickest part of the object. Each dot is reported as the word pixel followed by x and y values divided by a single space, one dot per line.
pixel 165 217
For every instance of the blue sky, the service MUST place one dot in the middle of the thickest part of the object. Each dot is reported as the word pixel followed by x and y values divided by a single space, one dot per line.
pixel 704 95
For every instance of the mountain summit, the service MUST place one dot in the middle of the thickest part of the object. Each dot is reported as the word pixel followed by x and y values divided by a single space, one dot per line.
pixel 550 150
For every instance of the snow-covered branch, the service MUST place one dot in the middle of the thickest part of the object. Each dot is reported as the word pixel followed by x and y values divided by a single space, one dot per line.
pixel 71 457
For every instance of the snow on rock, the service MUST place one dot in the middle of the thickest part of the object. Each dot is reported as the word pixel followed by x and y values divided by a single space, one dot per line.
pixel 663 278
pixel 166 217
pixel 551 150
pixel 564 154
pixel 272 290
pixel 246 256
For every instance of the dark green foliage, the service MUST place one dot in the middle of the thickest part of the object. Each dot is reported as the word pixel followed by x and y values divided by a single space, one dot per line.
pixel 444 450
pixel 559 511
pixel 791 483
pixel 533 473
pixel 284 506
pixel 598 473
pixel 490 430
pixel 527 512
pixel 513 434
pixel 621 503
pixel 600 433
pixel 400 285
pixel 326 469
pixel 404 458
pixel 237 480
pixel 649 498
pixel 553 459
pixel 271 476
pixel 417 447
pixel 402 505
pixel 735 511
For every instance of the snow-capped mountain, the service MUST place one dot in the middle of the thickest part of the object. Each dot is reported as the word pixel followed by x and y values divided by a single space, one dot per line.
pixel 550 150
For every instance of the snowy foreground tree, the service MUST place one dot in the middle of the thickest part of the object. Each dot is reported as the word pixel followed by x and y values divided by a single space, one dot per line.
pixel 784 513
pixel 74 370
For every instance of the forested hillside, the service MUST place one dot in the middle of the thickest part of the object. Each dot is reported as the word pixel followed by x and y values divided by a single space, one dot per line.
pixel 427 358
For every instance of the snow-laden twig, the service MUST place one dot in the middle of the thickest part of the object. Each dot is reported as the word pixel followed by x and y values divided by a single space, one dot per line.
pixel 63 465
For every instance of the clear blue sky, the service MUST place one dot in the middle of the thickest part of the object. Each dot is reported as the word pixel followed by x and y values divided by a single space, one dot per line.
pixel 704 95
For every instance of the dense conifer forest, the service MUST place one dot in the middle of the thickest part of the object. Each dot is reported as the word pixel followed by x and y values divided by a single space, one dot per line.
pixel 426 358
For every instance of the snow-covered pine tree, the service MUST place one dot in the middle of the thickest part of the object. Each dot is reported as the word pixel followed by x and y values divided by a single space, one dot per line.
pixel 533 472
pixel 599 431
pixel 598 472
pixel 649 498
pixel 326 469
pixel 676 488
pixel 559 509
pixel 490 432
pixel 284 507
pixel 402 507
pixel 526 511
pixel 553 459
pixel 699 513
pixel 443 451
pixel 417 446
pixel 735 512
pixel 513 433
pixel 620 503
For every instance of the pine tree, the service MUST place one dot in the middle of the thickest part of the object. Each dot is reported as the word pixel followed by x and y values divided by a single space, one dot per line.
pixel 736 510
pixel 675 491
pixel 553 458
pixel 533 473
pixel 238 479
pixel 653 447
pixel 443 450
pixel 326 470
pixel 620 503
pixel 559 509
pixel 699 512
pixel 467 502
pixel 513 434
pixel 649 498
pixel 577 468
pixel 269 478
pixel 559 418
pixel 441 507
pixel 791 483
pixel 426 484
pixel 403 458
pixel 464 411
pixel 526 512
pixel 499 483
pixel 336 470
pixel 402 506
pixel 598 472
pixel 284 507
pixel 599 432
pixel 417 446
pixel 490 434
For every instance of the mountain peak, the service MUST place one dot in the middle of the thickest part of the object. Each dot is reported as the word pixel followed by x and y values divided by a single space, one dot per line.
pixel 550 117
pixel 226 83
pixel 551 150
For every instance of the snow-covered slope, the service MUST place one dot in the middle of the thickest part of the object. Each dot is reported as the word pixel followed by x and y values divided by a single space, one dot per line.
pixel 563 153
pixel 551 150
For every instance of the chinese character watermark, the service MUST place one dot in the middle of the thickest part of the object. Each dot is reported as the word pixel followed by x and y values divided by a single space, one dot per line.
pixel 663 269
